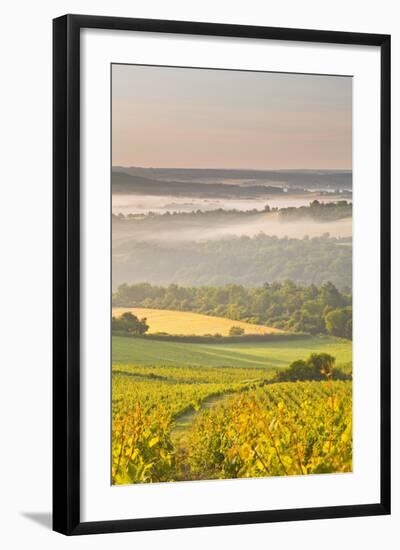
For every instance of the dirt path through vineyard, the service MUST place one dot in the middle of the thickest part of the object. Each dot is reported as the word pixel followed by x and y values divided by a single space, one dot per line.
pixel 184 421
pixel 182 427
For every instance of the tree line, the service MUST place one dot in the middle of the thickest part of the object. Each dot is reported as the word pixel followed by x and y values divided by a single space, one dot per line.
pixel 316 210
pixel 286 305
pixel 319 211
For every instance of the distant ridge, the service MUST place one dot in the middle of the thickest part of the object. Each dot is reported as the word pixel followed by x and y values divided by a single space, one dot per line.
pixel 125 183
pixel 335 179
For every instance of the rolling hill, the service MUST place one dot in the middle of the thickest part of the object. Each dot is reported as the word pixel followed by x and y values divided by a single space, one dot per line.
pixel 188 323
pixel 269 355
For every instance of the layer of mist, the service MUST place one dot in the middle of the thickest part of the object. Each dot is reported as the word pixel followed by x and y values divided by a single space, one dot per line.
pixel 169 230
pixel 208 238
pixel 143 204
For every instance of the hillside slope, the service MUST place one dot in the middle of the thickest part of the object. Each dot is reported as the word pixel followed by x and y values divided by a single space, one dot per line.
pixel 186 322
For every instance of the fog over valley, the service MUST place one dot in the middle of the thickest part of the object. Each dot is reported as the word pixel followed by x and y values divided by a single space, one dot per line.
pixel 200 227
pixel 143 204
pixel 177 228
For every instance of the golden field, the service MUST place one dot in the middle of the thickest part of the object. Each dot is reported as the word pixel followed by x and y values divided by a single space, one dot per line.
pixel 188 323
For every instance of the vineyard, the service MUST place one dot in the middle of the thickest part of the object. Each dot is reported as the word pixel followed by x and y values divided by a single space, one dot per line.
pixel 292 428
pixel 147 400
pixel 256 428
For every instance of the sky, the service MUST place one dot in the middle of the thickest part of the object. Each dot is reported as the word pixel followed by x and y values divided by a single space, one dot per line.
pixel 173 117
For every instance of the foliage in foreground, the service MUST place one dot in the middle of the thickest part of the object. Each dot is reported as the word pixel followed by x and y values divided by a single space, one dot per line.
pixel 145 402
pixel 263 429
pixel 281 429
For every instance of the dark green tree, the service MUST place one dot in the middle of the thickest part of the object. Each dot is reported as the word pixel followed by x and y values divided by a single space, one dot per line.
pixel 338 322
pixel 128 322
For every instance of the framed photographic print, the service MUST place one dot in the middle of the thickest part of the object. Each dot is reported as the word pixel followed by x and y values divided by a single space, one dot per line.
pixel 221 274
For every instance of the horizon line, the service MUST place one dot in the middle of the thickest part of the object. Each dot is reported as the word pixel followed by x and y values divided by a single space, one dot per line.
pixel 236 169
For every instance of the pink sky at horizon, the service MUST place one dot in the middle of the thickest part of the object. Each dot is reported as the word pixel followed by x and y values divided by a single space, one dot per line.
pixel 201 118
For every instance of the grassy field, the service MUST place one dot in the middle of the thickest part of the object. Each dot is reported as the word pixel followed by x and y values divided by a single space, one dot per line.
pixel 139 351
pixel 186 322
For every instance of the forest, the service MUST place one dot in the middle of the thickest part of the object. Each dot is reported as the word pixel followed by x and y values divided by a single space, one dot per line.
pixel 249 261
pixel 287 305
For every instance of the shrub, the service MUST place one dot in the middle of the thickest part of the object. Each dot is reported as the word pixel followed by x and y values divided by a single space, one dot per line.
pixel 236 331
pixel 319 366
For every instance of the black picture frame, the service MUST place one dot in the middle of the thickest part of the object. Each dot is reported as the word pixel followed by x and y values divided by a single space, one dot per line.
pixel 66 273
